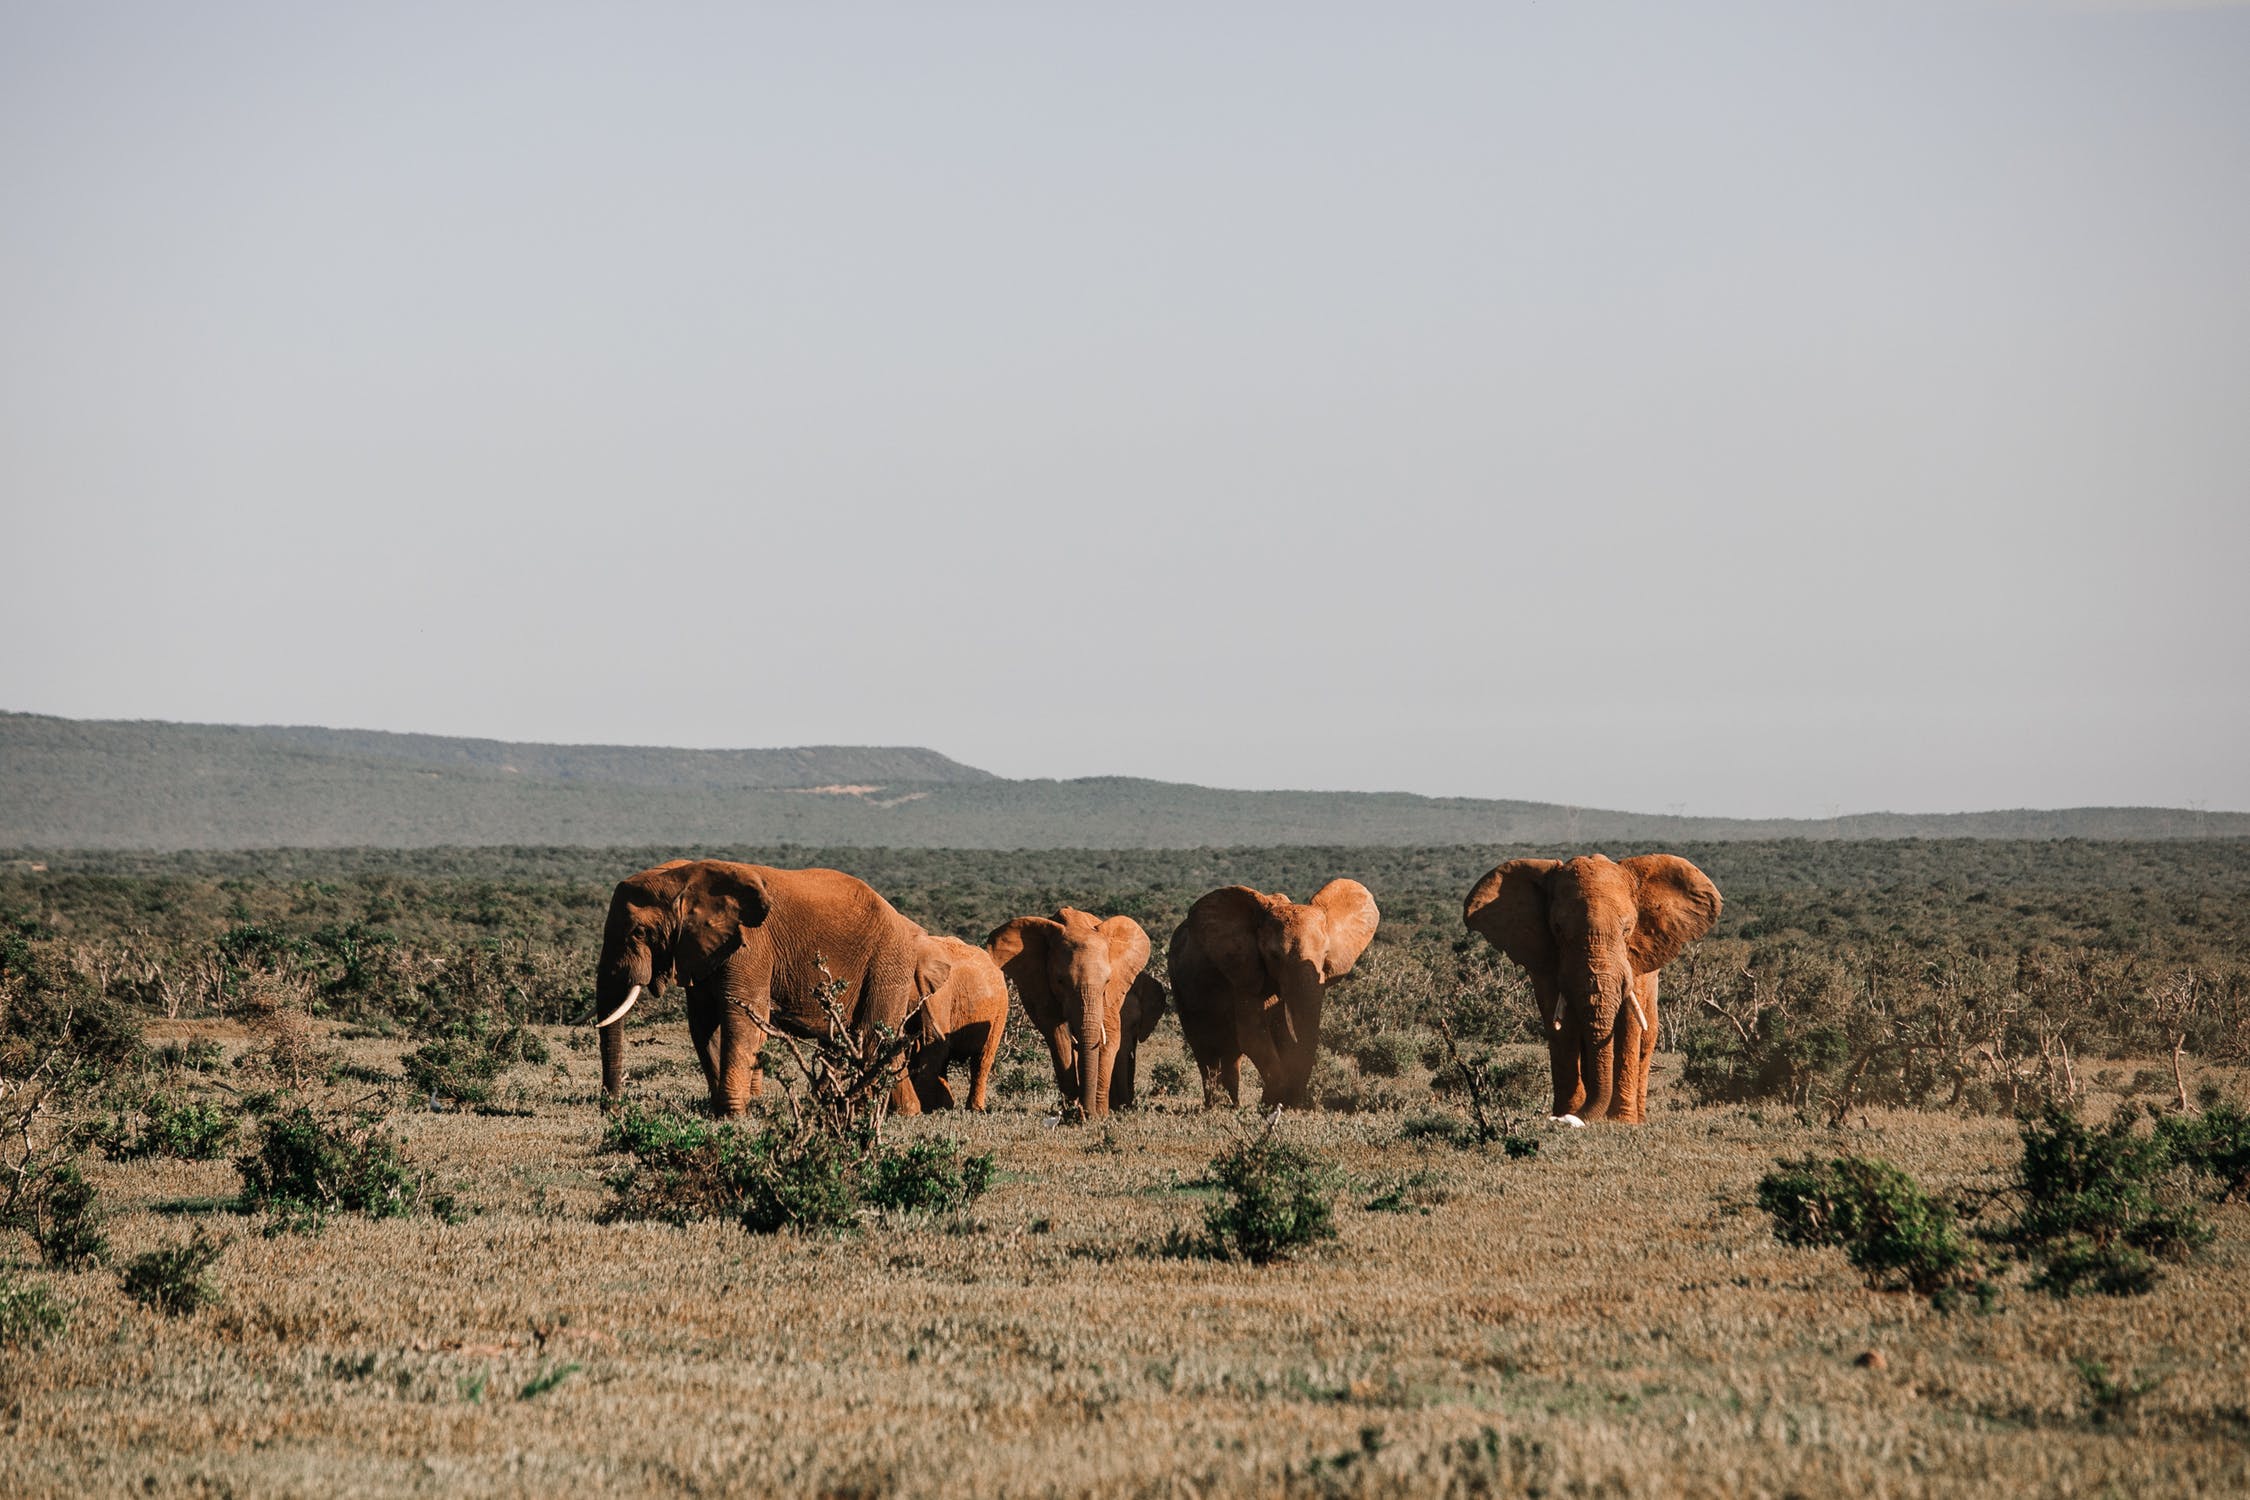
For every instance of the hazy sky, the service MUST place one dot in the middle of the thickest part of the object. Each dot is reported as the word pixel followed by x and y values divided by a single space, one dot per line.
pixel 1751 408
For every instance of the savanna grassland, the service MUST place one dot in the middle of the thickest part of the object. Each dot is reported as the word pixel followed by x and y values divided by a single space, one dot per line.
pixel 1609 1313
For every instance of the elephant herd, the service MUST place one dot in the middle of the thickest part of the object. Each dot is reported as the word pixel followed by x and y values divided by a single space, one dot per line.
pixel 764 952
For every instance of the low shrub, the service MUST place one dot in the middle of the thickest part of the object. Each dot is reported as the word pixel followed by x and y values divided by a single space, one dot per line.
pixel 1168 1077
pixel 1783 1058
pixel 170 1280
pixel 198 1055
pixel 930 1176
pixel 807 1182
pixel 56 1206
pixel 185 1130
pixel 654 1134
pixel 1275 1198
pixel 307 1167
pixel 2091 1207
pixel 1888 1228
pixel 28 1314
pixel 1385 1055
pixel 777 1178
pixel 460 1064
pixel 2215 1144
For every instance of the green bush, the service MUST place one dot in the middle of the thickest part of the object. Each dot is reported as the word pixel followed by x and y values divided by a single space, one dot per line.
pixel 682 1178
pixel 777 1178
pixel 808 1182
pixel 1276 1198
pixel 201 1055
pixel 654 1135
pixel 1786 1058
pixel 930 1176
pixel 1167 1077
pixel 170 1280
pixel 307 1167
pixel 2090 1209
pixel 28 1314
pixel 1888 1228
pixel 186 1130
pixel 1385 1055
pixel 56 1207
pixel 2215 1144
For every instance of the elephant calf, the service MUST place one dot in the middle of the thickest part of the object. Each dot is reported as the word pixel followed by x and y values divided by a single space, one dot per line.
pixel 1592 933
pixel 1083 985
pixel 1249 972
pixel 964 1012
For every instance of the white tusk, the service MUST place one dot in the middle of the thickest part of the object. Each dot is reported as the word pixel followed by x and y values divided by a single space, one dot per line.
pixel 1638 1015
pixel 618 1014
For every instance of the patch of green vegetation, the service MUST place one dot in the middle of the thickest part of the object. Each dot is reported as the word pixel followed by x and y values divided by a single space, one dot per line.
pixel 171 1280
pixel 29 1314
pixel 1274 1198
pixel 307 1166
pixel 2091 1207
pixel 182 1129
pixel 1895 1234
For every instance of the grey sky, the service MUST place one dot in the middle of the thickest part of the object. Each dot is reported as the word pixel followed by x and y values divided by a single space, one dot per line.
pixel 1750 407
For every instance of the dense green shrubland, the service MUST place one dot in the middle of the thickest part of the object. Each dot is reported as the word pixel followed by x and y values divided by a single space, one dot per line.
pixel 1960 975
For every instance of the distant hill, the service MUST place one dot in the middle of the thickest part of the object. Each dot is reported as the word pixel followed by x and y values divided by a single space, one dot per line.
pixel 103 784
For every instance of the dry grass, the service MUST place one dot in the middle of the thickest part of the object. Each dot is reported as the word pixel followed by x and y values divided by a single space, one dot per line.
pixel 1609 1316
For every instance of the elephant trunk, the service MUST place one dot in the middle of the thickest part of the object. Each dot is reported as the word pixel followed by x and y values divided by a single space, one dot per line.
pixel 1297 1034
pixel 1096 1048
pixel 613 1061
pixel 1598 1070
pixel 618 985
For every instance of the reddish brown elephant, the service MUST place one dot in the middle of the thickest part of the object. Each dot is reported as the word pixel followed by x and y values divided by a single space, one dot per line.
pixel 964 1014
pixel 753 946
pixel 1249 972
pixel 1084 987
pixel 1592 934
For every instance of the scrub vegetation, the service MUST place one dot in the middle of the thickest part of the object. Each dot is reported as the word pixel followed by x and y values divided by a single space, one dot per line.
pixel 304 1186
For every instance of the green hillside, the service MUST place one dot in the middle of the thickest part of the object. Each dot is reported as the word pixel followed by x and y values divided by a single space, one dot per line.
pixel 92 784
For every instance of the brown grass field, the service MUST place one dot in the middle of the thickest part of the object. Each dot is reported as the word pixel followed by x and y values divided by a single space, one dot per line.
pixel 1610 1317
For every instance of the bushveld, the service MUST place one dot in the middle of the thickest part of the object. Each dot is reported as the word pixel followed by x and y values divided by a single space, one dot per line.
pixel 1611 1312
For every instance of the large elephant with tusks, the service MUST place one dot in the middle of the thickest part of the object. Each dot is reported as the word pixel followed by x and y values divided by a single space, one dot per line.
pixel 754 947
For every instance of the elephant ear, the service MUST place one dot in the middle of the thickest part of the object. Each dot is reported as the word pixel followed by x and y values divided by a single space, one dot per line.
pixel 1678 904
pixel 741 889
pixel 1225 925
pixel 1352 918
pixel 1144 1007
pixel 1128 955
pixel 1508 909
pixel 723 899
pixel 1020 949
pixel 932 967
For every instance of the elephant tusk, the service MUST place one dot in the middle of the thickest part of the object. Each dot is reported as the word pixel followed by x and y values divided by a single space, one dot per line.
pixel 618 1014
pixel 1638 1014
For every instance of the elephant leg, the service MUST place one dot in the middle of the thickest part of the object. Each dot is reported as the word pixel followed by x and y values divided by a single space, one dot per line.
pixel 1638 1051
pixel 1273 1082
pixel 1222 1082
pixel 931 1091
pixel 980 1077
pixel 1064 1053
pixel 1121 1077
pixel 703 1029
pixel 1567 1075
pixel 736 1077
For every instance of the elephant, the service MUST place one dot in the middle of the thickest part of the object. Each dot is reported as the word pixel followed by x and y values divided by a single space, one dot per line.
pixel 1592 934
pixel 964 1012
pixel 1249 972
pixel 1085 987
pixel 754 946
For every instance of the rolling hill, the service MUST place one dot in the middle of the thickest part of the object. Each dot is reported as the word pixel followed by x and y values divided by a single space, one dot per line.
pixel 110 784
